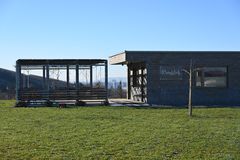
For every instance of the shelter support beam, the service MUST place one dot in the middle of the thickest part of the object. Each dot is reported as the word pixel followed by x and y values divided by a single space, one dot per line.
pixel 128 83
pixel 91 76
pixel 106 80
pixel 48 81
pixel 67 76
pixel 142 84
pixel 18 81
pixel 44 77
pixel 77 76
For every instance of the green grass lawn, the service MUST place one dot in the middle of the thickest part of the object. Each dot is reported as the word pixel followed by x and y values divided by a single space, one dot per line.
pixel 118 133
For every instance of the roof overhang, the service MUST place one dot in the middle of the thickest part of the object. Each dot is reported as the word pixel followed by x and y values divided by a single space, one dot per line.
pixel 130 57
pixel 118 59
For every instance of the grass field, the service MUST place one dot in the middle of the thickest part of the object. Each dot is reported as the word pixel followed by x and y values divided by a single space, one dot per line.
pixel 118 133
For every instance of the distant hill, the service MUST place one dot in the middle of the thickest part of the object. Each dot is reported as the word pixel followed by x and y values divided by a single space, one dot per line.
pixel 8 80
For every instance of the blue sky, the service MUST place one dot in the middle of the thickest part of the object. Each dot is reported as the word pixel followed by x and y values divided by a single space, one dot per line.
pixel 99 29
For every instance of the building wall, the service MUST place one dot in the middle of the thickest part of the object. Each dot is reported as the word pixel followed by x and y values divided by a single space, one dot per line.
pixel 175 92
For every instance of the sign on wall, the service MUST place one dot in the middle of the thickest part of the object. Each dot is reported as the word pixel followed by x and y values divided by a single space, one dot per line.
pixel 170 73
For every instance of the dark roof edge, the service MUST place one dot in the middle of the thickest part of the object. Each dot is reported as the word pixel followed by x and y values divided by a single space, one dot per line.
pixel 167 51
pixel 62 59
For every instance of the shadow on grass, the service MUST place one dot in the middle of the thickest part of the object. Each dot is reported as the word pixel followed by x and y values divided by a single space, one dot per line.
pixel 60 107
pixel 135 107
pixel 180 107
pixel 210 116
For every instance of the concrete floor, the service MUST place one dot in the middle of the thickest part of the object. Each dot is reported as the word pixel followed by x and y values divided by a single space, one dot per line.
pixel 126 102
pixel 112 102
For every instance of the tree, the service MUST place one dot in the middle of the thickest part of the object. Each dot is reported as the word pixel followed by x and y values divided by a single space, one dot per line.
pixel 98 84
pixel 120 89
pixel 111 91
pixel 190 72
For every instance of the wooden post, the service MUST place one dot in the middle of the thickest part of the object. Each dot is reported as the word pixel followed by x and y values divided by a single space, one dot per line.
pixel 44 77
pixel 142 85
pixel 190 90
pixel 106 80
pixel 48 81
pixel 18 81
pixel 77 76
pixel 24 81
pixel 67 77
pixel 28 80
pixel 128 82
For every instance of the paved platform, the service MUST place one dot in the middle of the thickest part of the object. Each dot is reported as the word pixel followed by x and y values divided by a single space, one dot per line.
pixel 127 102
pixel 112 102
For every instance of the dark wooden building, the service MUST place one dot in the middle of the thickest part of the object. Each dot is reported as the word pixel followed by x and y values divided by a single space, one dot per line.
pixel 158 77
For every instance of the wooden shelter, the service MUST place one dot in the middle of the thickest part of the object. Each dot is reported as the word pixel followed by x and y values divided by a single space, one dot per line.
pixel 61 81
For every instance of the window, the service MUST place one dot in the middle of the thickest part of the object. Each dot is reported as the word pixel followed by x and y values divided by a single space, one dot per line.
pixel 211 77
pixel 136 77
pixel 170 73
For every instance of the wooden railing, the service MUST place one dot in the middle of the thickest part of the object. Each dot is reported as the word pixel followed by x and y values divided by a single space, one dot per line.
pixel 81 94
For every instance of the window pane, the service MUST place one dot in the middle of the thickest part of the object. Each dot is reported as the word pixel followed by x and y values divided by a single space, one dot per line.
pixel 215 81
pixel 212 77
pixel 199 78
pixel 215 72
pixel 215 77
pixel 198 81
